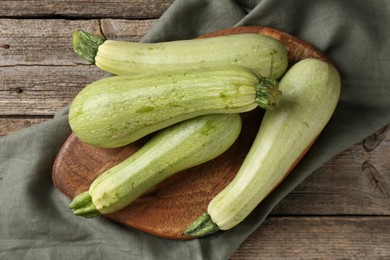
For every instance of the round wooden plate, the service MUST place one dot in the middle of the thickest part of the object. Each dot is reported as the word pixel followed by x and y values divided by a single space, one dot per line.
pixel 168 208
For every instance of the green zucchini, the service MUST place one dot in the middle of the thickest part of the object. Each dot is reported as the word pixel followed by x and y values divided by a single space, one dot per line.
pixel 261 53
pixel 171 150
pixel 311 90
pixel 118 110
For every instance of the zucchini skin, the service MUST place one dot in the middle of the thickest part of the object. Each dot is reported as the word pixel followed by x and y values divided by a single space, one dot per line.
pixel 261 53
pixel 311 90
pixel 171 150
pixel 118 110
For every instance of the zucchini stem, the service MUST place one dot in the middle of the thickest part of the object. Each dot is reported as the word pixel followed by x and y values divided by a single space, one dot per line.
pixel 82 206
pixel 267 93
pixel 202 226
pixel 86 45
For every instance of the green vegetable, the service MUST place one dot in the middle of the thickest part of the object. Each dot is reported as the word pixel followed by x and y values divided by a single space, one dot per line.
pixel 262 53
pixel 118 110
pixel 311 90
pixel 171 150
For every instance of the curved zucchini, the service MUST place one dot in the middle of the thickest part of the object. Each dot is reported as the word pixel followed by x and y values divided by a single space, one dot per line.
pixel 118 110
pixel 171 150
pixel 311 90
pixel 261 53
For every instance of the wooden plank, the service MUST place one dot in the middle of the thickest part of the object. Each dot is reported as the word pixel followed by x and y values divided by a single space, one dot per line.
pixel 11 125
pixel 84 8
pixel 31 83
pixel 37 42
pixel 42 90
pixel 318 238
pixel 356 181
pixel 126 30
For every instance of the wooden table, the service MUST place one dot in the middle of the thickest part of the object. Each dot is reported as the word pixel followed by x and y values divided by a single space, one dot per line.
pixel 341 211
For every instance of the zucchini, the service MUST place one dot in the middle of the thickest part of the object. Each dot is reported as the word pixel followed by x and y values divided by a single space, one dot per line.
pixel 262 53
pixel 118 110
pixel 171 150
pixel 311 90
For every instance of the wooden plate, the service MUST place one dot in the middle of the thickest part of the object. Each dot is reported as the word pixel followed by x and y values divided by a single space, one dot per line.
pixel 167 209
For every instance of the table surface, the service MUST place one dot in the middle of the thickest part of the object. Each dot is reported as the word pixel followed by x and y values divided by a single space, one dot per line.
pixel 341 211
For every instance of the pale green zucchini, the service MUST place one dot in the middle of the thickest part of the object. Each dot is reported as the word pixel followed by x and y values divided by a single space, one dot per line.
pixel 118 110
pixel 171 150
pixel 311 90
pixel 262 53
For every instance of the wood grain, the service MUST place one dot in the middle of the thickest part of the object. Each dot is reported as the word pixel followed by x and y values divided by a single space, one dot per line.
pixel 42 90
pixel 13 124
pixel 354 182
pixel 35 42
pixel 318 238
pixel 125 30
pixel 38 65
pixel 85 8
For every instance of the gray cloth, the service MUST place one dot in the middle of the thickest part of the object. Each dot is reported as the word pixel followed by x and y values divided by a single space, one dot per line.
pixel 35 222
